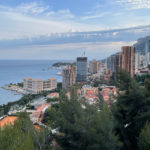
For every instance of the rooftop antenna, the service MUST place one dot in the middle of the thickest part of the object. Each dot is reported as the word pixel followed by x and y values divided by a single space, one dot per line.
pixel 83 55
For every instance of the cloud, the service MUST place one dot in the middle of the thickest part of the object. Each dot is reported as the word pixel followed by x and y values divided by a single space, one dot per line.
pixel 38 9
pixel 95 15
pixel 135 4
pixel 26 26
pixel 97 50
pixel 32 8
pixel 97 11
pixel 114 33
pixel 62 14
pixel 35 19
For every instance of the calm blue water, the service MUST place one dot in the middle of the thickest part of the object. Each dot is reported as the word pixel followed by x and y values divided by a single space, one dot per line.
pixel 14 71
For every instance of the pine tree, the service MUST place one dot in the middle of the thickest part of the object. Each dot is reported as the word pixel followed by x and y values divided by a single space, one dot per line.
pixel 144 138
pixel 84 128
pixel 132 110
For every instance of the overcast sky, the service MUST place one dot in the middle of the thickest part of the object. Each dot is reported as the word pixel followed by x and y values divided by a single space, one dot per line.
pixel 28 19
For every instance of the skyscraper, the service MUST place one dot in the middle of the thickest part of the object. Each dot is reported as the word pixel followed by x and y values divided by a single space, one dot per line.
pixel 112 63
pixel 128 59
pixel 82 69
pixel 68 74
pixel 147 53
pixel 93 67
pixel 142 55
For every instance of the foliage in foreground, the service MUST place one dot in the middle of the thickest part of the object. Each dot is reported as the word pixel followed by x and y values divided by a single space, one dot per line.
pixel 23 136
pixel 144 138
pixel 132 110
pixel 82 127
pixel 123 126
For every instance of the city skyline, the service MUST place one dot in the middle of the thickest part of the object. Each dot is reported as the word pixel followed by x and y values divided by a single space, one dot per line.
pixel 51 29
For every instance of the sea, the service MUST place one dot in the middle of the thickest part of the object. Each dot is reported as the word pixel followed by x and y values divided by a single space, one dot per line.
pixel 14 71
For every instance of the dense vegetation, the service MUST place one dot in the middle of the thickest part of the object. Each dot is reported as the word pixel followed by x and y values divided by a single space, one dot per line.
pixel 24 136
pixel 52 100
pixel 125 125
pixel 61 64
pixel 18 84
pixel 4 109
pixel 132 110
pixel 80 126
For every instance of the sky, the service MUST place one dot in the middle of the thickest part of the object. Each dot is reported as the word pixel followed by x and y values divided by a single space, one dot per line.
pixel 63 29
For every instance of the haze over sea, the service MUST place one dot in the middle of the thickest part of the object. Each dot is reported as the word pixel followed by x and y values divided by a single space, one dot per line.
pixel 14 71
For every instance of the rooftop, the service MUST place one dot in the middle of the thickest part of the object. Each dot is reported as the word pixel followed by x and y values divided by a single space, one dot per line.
pixel 9 120
pixel 43 107
pixel 36 80
pixel 27 78
pixel 54 94
pixel 52 78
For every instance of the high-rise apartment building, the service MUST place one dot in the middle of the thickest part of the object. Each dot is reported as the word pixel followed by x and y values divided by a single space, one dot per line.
pixel 147 53
pixel 93 67
pixel 69 74
pixel 128 59
pixel 113 63
pixel 82 69
pixel 118 62
pixel 142 54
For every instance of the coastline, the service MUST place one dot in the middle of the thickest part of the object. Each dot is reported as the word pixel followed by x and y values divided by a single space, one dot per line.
pixel 18 90
pixel 14 71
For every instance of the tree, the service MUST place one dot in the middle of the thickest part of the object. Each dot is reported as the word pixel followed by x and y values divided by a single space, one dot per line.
pixel 63 96
pixel 23 136
pixel 123 80
pixel 83 126
pixel 144 138
pixel 102 132
pixel 131 111
pixel 14 138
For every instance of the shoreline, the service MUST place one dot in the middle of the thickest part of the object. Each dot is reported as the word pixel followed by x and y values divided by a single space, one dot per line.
pixel 18 90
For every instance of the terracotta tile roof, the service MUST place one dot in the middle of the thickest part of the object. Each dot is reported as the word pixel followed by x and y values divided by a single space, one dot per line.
pixel 106 98
pixel 27 78
pixel 52 78
pixel 39 110
pixel 9 120
pixel 37 127
pixel 78 91
pixel 36 80
pixel 54 94
pixel 90 94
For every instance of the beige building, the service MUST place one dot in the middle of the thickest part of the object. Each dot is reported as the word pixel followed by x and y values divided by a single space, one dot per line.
pixel 37 85
pixel 93 67
pixel 128 59
pixel 53 83
pixel 69 75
